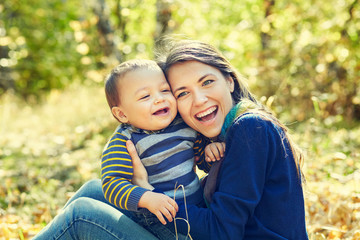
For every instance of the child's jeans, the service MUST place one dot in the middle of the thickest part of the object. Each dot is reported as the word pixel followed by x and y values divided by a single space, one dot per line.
pixel 150 222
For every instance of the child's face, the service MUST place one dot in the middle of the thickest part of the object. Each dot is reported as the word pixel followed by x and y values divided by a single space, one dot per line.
pixel 146 100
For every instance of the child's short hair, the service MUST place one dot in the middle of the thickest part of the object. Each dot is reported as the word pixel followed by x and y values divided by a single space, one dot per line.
pixel 112 80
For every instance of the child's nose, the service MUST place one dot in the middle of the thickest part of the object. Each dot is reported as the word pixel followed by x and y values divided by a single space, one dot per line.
pixel 159 98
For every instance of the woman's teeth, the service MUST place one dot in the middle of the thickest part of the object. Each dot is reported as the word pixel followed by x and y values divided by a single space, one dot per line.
pixel 207 112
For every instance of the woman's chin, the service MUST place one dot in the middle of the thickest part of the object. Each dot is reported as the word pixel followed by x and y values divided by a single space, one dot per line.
pixel 209 126
pixel 209 129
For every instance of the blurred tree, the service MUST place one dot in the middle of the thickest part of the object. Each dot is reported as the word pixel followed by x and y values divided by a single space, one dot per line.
pixel 265 37
pixel 6 81
pixel 106 32
pixel 41 44
pixel 163 17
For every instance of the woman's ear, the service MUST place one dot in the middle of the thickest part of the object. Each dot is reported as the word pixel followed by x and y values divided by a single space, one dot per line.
pixel 231 84
pixel 119 114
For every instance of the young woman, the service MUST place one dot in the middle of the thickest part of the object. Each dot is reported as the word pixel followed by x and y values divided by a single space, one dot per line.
pixel 256 190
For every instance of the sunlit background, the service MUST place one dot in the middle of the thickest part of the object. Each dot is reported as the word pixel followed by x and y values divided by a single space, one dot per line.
pixel 301 58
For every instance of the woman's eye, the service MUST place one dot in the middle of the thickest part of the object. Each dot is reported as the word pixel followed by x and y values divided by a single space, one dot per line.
pixel 182 94
pixel 207 82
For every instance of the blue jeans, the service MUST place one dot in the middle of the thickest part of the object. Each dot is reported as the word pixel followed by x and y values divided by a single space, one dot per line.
pixel 150 222
pixel 88 215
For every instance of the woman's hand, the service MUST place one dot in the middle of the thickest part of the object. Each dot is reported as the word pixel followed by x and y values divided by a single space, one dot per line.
pixel 140 176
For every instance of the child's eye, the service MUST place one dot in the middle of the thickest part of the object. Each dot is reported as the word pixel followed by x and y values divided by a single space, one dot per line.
pixel 165 90
pixel 144 97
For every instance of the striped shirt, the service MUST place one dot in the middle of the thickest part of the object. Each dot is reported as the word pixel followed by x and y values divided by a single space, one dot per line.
pixel 168 156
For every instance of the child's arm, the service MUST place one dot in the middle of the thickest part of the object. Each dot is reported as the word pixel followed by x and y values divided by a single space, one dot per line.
pixel 116 174
pixel 214 151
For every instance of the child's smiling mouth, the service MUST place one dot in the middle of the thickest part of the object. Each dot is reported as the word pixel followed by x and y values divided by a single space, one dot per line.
pixel 162 111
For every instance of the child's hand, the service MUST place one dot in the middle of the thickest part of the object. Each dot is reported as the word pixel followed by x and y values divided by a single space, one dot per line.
pixel 160 205
pixel 214 151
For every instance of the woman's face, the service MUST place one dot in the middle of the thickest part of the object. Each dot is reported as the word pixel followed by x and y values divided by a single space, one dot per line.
pixel 203 95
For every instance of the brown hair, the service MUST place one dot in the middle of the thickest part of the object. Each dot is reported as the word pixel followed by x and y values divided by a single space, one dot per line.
pixel 191 50
pixel 112 80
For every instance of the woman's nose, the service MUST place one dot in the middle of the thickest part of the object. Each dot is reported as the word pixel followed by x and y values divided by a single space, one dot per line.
pixel 200 98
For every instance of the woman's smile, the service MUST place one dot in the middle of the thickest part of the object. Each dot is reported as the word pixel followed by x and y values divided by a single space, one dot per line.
pixel 207 115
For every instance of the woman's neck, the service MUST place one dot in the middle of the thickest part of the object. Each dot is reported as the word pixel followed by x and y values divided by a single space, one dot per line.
pixel 237 110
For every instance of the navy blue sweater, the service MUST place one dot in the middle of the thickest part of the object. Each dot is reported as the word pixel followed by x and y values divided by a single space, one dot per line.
pixel 259 193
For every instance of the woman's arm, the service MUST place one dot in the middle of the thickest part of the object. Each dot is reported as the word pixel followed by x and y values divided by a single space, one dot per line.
pixel 140 176
pixel 116 173
pixel 241 183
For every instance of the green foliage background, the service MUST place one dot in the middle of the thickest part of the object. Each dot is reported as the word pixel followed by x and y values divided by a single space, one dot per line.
pixel 301 58
pixel 291 52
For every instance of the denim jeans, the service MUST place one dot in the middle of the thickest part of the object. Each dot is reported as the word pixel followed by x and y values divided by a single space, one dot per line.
pixel 150 222
pixel 88 215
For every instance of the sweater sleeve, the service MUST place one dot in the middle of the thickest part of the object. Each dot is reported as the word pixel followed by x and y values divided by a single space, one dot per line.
pixel 116 175
pixel 241 183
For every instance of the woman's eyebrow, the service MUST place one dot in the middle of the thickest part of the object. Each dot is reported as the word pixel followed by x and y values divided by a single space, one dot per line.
pixel 178 89
pixel 205 76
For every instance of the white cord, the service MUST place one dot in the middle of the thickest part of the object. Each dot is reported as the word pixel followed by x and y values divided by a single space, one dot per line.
pixel 187 217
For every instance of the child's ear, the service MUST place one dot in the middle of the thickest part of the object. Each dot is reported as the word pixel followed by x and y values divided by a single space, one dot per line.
pixel 119 114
